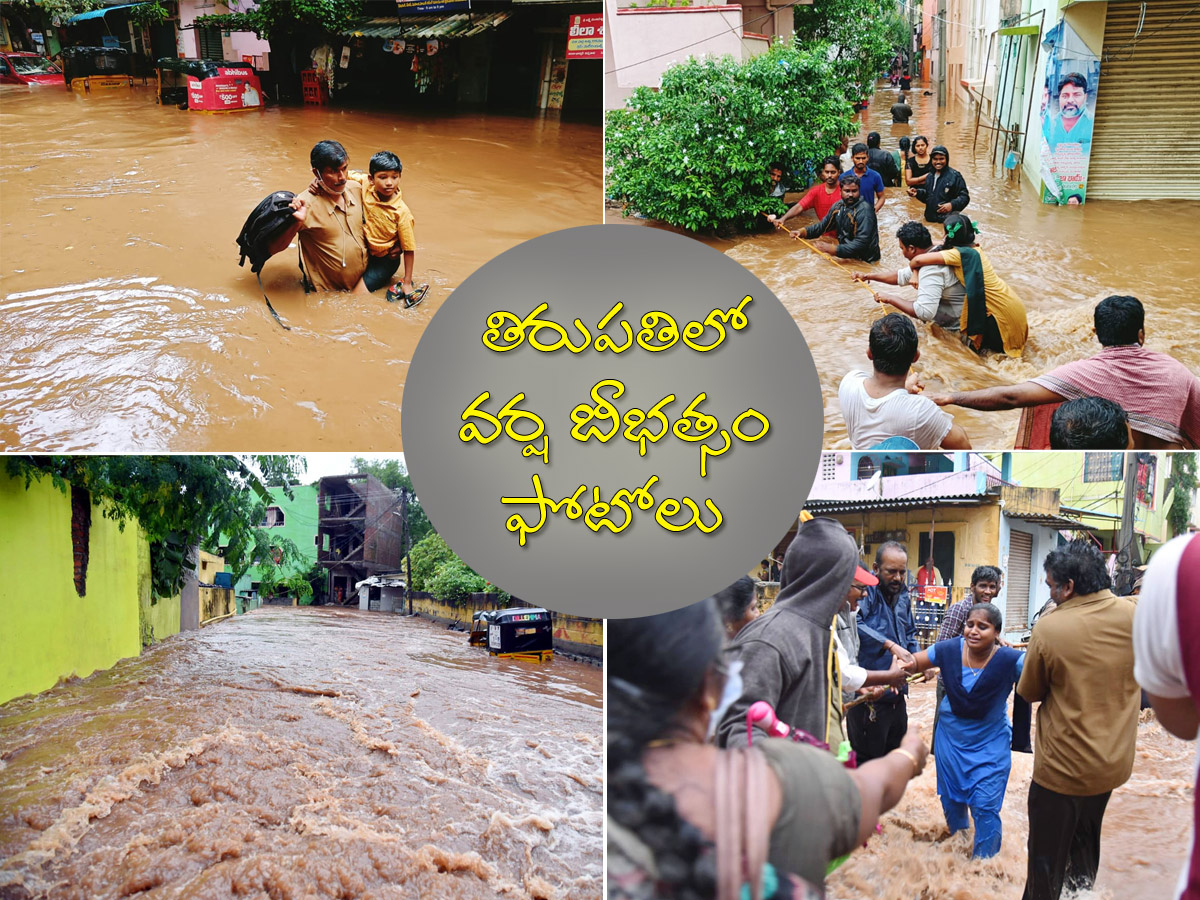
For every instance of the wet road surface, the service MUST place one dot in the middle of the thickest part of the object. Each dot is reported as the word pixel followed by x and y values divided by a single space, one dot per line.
pixel 1143 844
pixel 307 753
pixel 129 326
pixel 1060 260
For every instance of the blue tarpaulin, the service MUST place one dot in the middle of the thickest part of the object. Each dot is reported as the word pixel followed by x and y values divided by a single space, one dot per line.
pixel 98 12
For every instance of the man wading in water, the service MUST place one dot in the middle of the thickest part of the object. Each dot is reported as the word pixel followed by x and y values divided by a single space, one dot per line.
pixel 328 219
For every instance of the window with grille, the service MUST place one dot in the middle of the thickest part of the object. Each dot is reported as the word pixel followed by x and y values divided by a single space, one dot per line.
pixel 1099 467
pixel 209 41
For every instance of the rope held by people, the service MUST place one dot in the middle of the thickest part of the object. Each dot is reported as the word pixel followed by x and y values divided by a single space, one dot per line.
pixel 795 235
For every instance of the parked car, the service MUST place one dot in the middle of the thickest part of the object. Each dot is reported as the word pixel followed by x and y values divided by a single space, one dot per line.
pixel 28 68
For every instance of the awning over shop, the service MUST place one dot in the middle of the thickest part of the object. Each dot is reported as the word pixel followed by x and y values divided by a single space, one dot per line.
pixel 462 25
pixel 97 13
pixel 1059 523
pixel 825 507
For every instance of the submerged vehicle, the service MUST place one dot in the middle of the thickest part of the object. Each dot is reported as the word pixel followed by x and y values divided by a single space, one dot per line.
pixel 479 625
pixel 206 85
pixel 90 69
pixel 28 68
pixel 519 633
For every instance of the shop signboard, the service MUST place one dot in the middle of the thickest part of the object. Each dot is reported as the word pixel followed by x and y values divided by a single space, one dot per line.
pixel 585 36
pixel 417 7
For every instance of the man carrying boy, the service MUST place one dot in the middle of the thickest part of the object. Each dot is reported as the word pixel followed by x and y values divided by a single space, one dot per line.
pixel 388 227
pixel 328 222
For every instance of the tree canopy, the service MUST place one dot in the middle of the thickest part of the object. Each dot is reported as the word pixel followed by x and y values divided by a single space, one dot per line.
pixel 216 502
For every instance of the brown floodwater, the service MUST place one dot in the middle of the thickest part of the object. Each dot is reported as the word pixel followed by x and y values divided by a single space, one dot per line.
pixel 307 753
pixel 1143 844
pixel 127 322
pixel 1060 260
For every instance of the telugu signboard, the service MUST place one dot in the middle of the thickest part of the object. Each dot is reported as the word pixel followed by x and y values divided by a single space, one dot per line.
pixel 585 37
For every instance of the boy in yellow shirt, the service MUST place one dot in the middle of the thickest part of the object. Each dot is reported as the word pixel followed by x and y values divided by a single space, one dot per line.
pixel 388 227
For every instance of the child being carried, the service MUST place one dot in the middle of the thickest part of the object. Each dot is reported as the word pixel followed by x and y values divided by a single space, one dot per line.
pixel 388 228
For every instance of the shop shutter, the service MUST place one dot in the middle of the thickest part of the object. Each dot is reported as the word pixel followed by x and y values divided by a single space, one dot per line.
pixel 1016 580
pixel 1147 120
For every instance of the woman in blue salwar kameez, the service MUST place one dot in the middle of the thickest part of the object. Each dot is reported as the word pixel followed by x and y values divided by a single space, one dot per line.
pixel 973 741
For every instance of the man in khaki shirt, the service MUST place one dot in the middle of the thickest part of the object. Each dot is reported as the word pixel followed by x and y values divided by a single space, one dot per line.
pixel 1080 667
pixel 329 219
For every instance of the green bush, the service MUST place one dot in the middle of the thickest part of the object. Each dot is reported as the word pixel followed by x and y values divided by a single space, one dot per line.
pixel 428 555
pixel 695 153
pixel 454 581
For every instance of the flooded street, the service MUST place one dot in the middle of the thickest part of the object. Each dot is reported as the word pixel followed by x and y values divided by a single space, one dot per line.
pixel 128 324
pixel 307 753
pixel 1145 835
pixel 1060 260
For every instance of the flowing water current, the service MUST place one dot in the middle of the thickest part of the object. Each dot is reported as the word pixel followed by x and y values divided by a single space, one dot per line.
pixel 1060 260
pixel 1143 845
pixel 307 753
pixel 129 326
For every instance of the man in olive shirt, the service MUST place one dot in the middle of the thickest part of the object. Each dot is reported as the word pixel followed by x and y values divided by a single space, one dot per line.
pixel 328 217
pixel 1080 667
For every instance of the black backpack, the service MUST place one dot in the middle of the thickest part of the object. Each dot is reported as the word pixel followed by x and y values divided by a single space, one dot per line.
pixel 262 226
pixel 268 220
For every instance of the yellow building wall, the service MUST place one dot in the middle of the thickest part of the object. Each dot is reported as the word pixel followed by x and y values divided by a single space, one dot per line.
pixel 158 620
pixel 49 632
pixel 976 532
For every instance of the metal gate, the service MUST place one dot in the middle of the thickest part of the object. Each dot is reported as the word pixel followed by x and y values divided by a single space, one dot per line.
pixel 1146 122
pixel 1020 559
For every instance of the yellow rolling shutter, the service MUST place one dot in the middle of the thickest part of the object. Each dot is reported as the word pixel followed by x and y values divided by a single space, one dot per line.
pixel 1147 116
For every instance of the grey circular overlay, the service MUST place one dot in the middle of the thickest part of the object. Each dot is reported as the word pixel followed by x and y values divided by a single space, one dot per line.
pixel 592 428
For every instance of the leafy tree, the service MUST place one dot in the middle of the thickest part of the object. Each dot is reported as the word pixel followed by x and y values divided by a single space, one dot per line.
pixel 428 556
pixel 1183 479
pixel 179 502
pixel 859 33
pixel 271 19
pixel 454 581
pixel 59 10
pixel 696 153
pixel 394 475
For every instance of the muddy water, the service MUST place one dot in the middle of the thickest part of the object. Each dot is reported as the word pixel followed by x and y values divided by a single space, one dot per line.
pixel 1061 261
pixel 1144 841
pixel 307 753
pixel 127 322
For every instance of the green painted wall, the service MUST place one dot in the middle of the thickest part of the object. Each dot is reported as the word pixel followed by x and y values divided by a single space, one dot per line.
pixel 299 526
pixel 49 631
pixel 158 620
pixel 1064 469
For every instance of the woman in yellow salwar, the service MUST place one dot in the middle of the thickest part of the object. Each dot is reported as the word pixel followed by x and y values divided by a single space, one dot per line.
pixel 993 316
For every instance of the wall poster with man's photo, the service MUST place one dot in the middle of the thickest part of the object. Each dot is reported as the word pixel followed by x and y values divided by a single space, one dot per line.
pixel 1068 108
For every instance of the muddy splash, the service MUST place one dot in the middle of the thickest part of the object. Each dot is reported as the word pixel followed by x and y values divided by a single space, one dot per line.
pixel 1144 841
pixel 1060 260
pixel 307 753
pixel 128 324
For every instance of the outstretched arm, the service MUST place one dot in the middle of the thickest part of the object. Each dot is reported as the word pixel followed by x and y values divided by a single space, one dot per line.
pixel 927 259
pixel 1004 396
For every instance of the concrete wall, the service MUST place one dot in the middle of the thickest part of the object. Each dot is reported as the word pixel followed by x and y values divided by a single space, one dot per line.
pixel 159 618
pixel 50 632
pixel 572 634
pixel 976 532
pixel 643 43
pixel 236 44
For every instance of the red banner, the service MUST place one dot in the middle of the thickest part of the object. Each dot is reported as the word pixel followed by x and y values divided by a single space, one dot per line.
pixel 585 37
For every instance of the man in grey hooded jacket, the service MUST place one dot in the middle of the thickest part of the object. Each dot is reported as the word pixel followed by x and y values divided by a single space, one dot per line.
pixel 787 652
